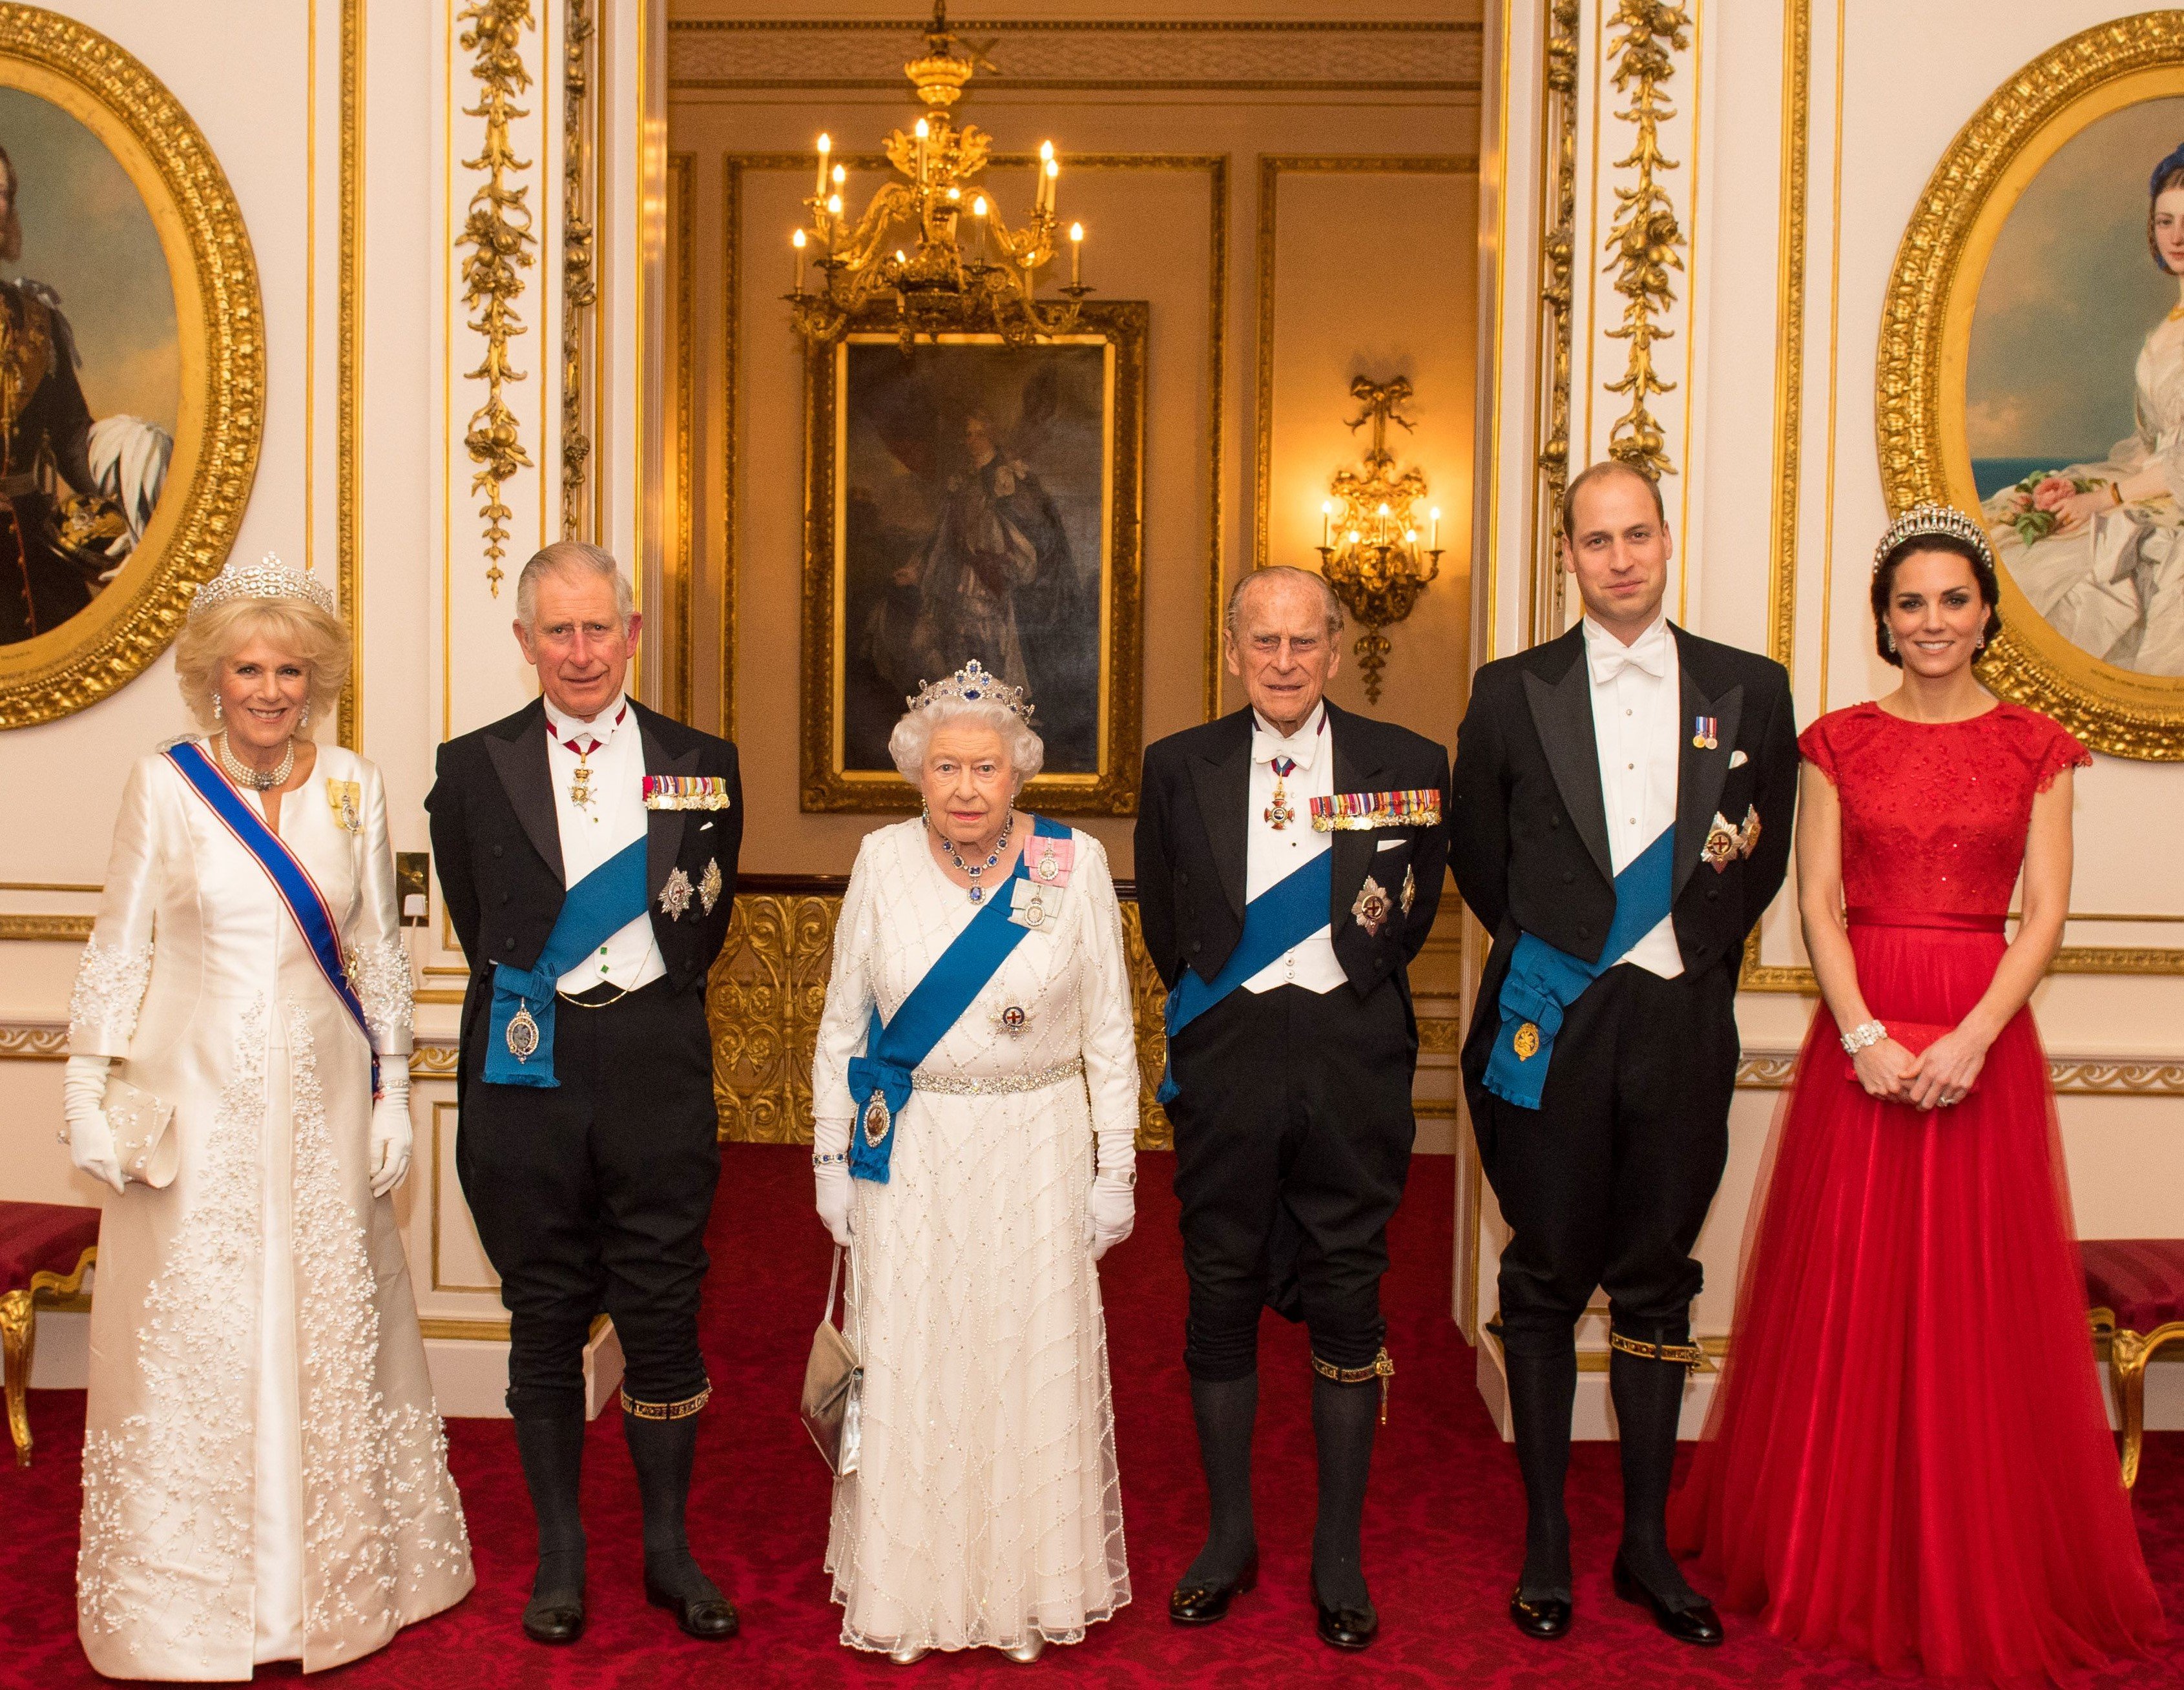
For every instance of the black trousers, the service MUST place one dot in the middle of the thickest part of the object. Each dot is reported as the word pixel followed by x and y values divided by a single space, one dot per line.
pixel 1608 1182
pixel 1293 1134
pixel 592 1196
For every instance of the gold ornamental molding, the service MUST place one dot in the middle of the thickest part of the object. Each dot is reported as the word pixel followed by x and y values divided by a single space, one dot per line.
pixel 1790 329
pixel 1925 333
pixel 33 1040
pixel 497 230
pixel 1646 233
pixel 1557 289
pixel 2143 959
pixel 221 332
pixel 579 281
pixel 1771 1071
pixel 348 316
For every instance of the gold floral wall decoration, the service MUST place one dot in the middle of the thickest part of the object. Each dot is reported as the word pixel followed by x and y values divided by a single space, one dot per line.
pixel 497 230
pixel 1646 233
pixel 1558 276
pixel 579 285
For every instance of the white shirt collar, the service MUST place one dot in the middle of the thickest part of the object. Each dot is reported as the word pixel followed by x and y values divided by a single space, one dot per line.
pixel 1605 655
pixel 600 727
pixel 1301 747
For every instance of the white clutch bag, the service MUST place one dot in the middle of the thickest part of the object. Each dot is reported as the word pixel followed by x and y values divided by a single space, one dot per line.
pixel 143 1141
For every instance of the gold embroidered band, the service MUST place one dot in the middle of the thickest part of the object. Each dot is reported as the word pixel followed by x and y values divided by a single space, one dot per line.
pixel 664 1411
pixel 1690 1355
pixel 1381 1369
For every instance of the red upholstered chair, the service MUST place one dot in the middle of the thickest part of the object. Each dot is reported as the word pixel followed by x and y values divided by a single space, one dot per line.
pixel 2136 1287
pixel 44 1249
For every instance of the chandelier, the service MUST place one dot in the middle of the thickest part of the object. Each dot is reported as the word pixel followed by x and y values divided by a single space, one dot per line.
pixel 1369 548
pixel 931 238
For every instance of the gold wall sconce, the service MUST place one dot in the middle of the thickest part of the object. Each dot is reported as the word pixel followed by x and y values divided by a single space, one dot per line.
pixel 1375 550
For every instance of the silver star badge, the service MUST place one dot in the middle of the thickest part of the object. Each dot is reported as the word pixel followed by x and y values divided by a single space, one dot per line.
pixel 674 896
pixel 709 887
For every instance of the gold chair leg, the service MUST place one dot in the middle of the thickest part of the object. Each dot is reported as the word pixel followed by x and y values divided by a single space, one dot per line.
pixel 19 1336
pixel 2127 1354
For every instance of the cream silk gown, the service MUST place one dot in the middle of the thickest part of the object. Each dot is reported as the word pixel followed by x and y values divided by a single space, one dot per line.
pixel 986 1507
pixel 264 1472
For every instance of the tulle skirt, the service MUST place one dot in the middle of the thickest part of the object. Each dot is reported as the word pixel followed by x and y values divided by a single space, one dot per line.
pixel 1908 1457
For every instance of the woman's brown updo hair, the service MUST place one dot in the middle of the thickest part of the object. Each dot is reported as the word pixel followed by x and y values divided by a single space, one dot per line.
pixel 1884 585
pixel 2167 174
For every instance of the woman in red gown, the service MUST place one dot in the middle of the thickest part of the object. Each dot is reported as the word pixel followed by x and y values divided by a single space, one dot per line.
pixel 1908 1457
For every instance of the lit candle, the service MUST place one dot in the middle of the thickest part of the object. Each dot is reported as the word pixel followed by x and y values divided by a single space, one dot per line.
pixel 1435 513
pixel 1076 255
pixel 1043 188
pixel 841 176
pixel 1326 515
pixel 1053 174
pixel 796 241
pixel 923 130
pixel 979 211
pixel 833 205
pixel 825 146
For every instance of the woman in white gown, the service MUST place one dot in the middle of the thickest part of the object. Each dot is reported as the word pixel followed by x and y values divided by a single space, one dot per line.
pixel 2098 548
pixel 993 1169
pixel 265 1473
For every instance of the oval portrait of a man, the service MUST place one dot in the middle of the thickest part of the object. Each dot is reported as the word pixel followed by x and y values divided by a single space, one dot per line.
pixel 90 366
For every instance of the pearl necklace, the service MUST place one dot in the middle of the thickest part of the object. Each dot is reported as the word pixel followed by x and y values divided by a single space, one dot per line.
pixel 977 892
pixel 257 778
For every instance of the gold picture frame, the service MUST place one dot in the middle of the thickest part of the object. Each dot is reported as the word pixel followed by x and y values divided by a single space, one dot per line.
pixel 220 334
pixel 1925 351
pixel 852 686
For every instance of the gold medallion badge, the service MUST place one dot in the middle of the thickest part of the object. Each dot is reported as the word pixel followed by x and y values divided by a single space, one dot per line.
pixel 345 799
pixel 877 1122
pixel 1527 1042
pixel 674 896
pixel 522 1034
pixel 709 887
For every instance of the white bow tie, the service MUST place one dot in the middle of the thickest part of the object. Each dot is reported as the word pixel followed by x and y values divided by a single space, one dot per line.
pixel 1645 654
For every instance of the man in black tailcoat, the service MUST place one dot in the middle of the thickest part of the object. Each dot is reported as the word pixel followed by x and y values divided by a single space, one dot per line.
pixel 1622 818
pixel 1290 861
pixel 587 850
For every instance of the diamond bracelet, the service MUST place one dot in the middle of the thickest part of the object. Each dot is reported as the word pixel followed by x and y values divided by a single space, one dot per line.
pixel 839 1158
pixel 1865 1034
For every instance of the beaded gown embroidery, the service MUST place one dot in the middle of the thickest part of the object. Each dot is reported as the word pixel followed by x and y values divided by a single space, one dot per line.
pixel 265 1470
pixel 1908 1457
pixel 986 1506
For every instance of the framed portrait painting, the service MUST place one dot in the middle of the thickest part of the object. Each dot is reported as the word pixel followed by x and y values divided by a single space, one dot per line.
pixel 131 365
pixel 970 499
pixel 2032 373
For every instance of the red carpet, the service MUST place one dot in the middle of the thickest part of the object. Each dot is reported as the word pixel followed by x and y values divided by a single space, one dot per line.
pixel 1442 1530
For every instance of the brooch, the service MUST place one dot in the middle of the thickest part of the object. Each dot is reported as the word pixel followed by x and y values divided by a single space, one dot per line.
pixel 1012 1020
pixel 685 791
pixel 1028 905
pixel 1721 848
pixel 345 799
pixel 674 896
pixel 877 1121
pixel 1056 857
pixel 522 1034
pixel 1370 909
pixel 709 886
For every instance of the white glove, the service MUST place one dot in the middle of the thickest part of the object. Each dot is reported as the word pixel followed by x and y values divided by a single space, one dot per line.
pixel 1111 1211
pixel 392 1135
pixel 90 1134
pixel 830 1179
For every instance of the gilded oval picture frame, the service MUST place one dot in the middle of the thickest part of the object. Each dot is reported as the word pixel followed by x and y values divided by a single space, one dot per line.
pixel 2032 352
pixel 132 387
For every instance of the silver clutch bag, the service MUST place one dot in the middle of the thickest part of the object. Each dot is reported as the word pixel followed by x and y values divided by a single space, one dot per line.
pixel 143 1143
pixel 832 1383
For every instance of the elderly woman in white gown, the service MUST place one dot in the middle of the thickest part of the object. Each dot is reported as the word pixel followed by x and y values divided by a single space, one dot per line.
pixel 264 1475
pixel 976 1092
pixel 2098 548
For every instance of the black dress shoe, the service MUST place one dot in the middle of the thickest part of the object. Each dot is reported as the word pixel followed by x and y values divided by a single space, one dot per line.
pixel 1543 1617
pixel 1701 1625
pixel 555 1617
pixel 1345 1628
pixel 712 1617
pixel 1202 1605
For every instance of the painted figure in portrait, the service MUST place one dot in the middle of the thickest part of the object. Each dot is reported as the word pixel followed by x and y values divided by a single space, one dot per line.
pixel 76 488
pixel 2078 338
pixel 973 528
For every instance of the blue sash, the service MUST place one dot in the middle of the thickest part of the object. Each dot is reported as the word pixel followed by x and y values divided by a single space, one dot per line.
pixel 290 879
pixel 1543 981
pixel 1279 919
pixel 598 907
pixel 881 1076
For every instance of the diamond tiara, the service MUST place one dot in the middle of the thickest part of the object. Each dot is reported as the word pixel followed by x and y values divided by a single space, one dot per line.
pixel 974 685
pixel 267 578
pixel 1932 519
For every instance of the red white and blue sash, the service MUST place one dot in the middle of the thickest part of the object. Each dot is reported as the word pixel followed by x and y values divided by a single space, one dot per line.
pixel 305 903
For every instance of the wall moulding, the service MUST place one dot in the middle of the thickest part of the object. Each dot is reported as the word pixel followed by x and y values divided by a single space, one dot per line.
pixel 347 339
pixel 1551 357
pixel 579 281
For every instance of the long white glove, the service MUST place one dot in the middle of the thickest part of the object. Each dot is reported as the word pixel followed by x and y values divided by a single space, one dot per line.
pixel 90 1134
pixel 830 1177
pixel 1111 1211
pixel 392 1135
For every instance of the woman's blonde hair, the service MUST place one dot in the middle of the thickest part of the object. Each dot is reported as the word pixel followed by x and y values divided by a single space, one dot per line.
pixel 312 636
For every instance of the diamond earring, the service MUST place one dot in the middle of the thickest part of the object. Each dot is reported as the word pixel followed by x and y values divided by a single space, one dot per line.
pixel 1892 639
pixel 219 710
pixel 302 718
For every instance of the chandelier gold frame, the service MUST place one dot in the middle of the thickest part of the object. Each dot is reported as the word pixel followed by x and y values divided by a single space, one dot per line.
pixel 1369 550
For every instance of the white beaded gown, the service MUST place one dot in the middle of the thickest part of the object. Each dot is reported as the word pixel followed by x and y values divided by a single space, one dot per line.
pixel 264 1471
pixel 985 1510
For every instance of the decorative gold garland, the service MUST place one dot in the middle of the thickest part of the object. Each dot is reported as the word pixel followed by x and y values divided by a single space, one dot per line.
pixel 1557 270
pixel 497 230
pixel 579 285
pixel 1646 233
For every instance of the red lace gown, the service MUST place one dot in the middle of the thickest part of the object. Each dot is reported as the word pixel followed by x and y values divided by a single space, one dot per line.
pixel 1908 1457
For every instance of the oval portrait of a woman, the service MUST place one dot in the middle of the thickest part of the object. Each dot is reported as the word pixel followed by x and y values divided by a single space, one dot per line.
pixel 2074 411
pixel 90 368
